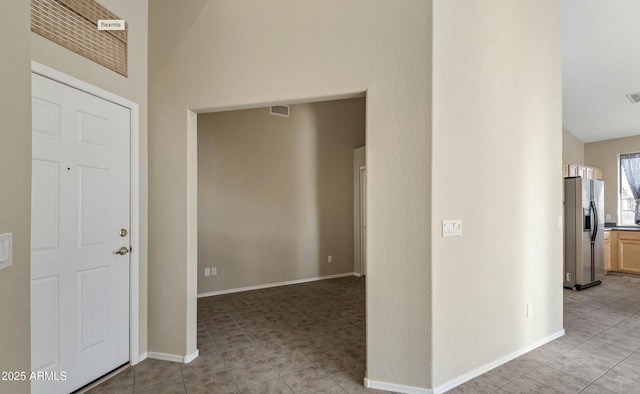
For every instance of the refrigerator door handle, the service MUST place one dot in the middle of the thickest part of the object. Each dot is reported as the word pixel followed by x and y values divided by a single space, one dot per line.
pixel 595 221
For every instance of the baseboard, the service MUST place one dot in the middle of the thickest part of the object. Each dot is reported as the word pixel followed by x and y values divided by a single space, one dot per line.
pixel 141 358
pixel 487 367
pixel 191 357
pixel 173 357
pixel 396 388
pixel 399 388
pixel 357 274
pixel 265 286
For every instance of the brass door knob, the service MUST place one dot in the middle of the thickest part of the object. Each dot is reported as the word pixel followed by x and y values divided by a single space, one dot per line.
pixel 122 251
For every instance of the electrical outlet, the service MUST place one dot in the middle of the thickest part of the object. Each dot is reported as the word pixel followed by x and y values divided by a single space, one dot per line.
pixel 529 311
pixel 6 246
pixel 214 271
pixel 607 217
pixel 207 271
pixel 330 259
pixel 451 228
pixel 567 277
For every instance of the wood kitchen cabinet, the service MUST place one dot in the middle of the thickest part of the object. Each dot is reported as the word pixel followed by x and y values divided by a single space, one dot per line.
pixel 597 173
pixel 571 170
pixel 629 252
pixel 622 251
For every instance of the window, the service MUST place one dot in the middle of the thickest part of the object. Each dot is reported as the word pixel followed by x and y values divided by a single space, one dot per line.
pixel 73 24
pixel 630 189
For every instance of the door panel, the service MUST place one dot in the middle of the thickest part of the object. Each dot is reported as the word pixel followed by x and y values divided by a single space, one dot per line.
pixel 92 308
pixel 45 346
pixel 46 124
pixel 46 216
pixel 80 201
pixel 629 255
pixel 92 207
pixel 93 130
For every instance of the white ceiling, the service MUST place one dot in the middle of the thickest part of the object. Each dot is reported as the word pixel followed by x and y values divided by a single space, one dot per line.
pixel 600 65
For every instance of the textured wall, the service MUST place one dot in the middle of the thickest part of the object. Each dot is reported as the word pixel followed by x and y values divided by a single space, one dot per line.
pixel 223 55
pixel 275 194
pixel 572 149
pixel 15 193
pixel 497 155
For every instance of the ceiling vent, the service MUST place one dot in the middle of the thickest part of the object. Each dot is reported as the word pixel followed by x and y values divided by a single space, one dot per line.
pixel 283 110
pixel 634 97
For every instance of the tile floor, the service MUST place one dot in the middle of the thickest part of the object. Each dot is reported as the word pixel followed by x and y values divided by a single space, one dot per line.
pixel 600 352
pixel 306 338
pixel 310 338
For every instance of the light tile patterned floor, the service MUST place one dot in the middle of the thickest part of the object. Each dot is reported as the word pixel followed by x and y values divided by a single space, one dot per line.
pixel 310 338
pixel 600 352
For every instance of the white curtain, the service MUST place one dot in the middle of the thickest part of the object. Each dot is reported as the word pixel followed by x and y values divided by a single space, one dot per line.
pixel 631 165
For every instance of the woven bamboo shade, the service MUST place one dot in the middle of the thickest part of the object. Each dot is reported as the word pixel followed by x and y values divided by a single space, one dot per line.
pixel 73 24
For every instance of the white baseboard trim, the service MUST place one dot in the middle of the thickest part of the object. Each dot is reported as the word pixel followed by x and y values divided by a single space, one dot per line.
pixel 165 357
pixel 191 357
pixel 141 358
pixel 289 282
pixel 397 388
pixel 487 367
pixel 174 357
pixel 357 274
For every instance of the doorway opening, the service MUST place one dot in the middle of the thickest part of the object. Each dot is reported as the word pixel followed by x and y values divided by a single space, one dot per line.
pixel 276 207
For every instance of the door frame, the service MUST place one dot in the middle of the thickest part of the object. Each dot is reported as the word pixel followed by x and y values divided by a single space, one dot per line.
pixel 363 219
pixel 134 198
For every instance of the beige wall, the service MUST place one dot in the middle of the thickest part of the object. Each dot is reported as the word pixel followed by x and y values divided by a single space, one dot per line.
pixel 496 164
pixel 572 149
pixel 227 54
pixel 15 193
pixel 133 87
pixel 224 55
pixel 275 194
pixel 604 155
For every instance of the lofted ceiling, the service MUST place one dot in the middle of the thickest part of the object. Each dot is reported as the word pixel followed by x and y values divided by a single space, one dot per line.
pixel 600 66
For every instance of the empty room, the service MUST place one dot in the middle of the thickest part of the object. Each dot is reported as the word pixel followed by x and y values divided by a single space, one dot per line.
pixel 165 226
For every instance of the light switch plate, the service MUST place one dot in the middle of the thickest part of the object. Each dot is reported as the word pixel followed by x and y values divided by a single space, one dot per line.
pixel 451 228
pixel 6 250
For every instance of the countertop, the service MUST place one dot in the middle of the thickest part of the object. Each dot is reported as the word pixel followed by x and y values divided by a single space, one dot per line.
pixel 623 228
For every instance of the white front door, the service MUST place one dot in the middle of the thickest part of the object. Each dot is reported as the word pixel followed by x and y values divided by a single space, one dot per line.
pixel 79 217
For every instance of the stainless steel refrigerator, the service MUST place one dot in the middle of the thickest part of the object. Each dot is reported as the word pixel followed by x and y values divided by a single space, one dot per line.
pixel 583 233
